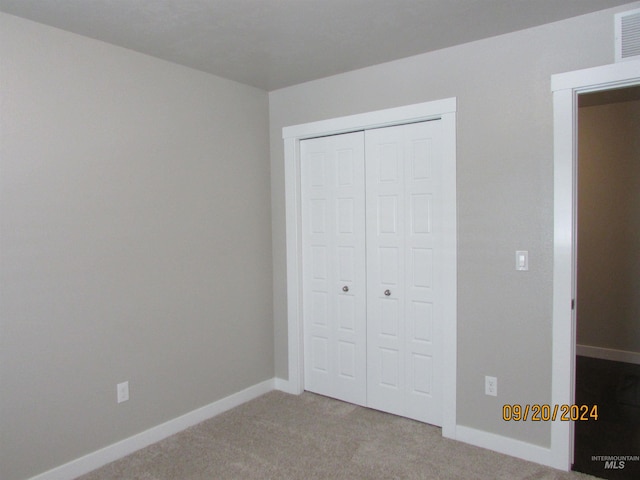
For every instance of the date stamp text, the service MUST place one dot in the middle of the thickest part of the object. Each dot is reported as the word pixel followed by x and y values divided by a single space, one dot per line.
pixel 545 413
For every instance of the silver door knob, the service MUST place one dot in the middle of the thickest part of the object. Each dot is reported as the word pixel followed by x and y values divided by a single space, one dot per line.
pixel 345 289
pixel 387 292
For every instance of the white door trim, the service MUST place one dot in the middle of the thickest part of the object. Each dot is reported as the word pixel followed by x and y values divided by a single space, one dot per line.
pixel 566 87
pixel 442 109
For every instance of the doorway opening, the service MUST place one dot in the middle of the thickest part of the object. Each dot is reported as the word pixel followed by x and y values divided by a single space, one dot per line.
pixel 607 363
pixel 568 90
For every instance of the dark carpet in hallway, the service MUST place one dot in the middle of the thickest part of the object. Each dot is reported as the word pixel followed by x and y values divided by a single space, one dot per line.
pixel 615 388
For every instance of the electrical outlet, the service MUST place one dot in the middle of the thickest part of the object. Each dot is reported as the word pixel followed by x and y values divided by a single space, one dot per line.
pixel 123 391
pixel 491 386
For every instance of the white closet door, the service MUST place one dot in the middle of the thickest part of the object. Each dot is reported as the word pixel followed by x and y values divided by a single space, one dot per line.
pixel 334 275
pixel 403 205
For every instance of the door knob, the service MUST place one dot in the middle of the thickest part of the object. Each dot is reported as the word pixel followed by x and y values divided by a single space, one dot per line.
pixel 345 289
pixel 387 292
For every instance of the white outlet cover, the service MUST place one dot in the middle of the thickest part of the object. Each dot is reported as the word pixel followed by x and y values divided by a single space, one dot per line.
pixel 123 391
pixel 491 386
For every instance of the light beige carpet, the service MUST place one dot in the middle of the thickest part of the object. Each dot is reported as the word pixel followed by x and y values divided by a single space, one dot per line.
pixel 280 436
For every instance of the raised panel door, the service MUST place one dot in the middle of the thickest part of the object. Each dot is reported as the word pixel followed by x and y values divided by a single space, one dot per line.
pixel 334 279
pixel 403 205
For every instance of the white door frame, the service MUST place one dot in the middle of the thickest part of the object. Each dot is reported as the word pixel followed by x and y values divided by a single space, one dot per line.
pixel 445 110
pixel 566 87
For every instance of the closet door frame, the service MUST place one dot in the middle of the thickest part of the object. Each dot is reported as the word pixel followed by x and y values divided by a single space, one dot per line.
pixel 445 111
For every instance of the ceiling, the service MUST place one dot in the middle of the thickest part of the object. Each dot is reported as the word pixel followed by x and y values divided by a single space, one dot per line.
pixel 272 44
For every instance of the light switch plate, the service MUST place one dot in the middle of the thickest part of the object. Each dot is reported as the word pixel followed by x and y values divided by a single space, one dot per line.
pixel 522 260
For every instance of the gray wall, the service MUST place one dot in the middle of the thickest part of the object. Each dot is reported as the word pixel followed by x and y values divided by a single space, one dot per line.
pixel 505 195
pixel 609 226
pixel 135 243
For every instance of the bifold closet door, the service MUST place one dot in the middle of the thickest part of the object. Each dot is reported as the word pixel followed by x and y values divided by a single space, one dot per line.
pixel 404 267
pixel 334 275
pixel 372 268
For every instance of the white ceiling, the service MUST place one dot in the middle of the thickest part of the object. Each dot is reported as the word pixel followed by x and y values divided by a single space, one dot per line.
pixel 272 44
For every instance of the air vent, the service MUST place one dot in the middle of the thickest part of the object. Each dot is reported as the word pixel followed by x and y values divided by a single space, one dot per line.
pixel 628 35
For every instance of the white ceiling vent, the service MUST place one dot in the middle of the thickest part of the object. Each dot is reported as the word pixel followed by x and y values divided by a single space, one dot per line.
pixel 628 35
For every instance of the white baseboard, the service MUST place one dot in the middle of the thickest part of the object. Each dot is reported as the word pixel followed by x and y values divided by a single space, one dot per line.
pixel 608 354
pixel 113 452
pixel 506 445
pixel 285 386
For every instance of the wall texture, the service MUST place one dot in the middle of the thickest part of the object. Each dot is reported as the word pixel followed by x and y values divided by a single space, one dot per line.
pixel 135 243
pixel 505 195
pixel 609 226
